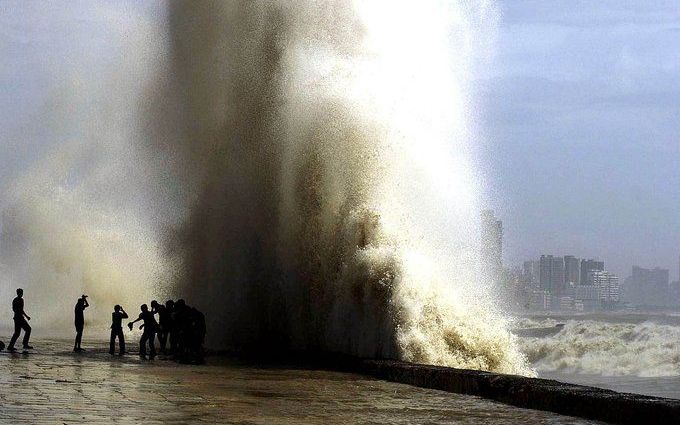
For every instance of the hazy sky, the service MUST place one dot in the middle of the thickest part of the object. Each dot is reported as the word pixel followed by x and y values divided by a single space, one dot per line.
pixel 581 116
pixel 582 121
pixel 46 49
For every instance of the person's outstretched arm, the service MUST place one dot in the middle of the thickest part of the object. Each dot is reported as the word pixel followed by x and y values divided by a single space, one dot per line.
pixel 130 324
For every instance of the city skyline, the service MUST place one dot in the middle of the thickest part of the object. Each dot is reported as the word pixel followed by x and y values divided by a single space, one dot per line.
pixel 565 282
pixel 580 131
pixel 493 251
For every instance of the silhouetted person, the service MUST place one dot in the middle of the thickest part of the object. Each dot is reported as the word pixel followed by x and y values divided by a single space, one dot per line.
pixel 182 323
pixel 149 333
pixel 169 326
pixel 163 323
pixel 79 309
pixel 117 330
pixel 197 336
pixel 20 321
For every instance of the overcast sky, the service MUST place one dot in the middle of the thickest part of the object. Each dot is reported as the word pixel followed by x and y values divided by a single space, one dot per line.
pixel 580 116
pixel 582 122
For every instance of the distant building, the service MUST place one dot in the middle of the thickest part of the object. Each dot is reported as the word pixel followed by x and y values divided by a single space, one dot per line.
pixel 540 300
pixel 589 266
pixel 588 297
pixel 531 272
pixel 566 303
pixel 648 287
pixel 552 274
pixel 492 245
pixel 568 283
pixel 674 293
pixel 607 286
pixel 572 270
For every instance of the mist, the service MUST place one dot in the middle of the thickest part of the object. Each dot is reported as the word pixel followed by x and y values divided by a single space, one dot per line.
pixel 301 172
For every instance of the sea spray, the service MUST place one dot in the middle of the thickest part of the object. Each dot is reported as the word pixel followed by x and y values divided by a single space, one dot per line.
pixel 82 216
pixel 300 171
pixel 322 153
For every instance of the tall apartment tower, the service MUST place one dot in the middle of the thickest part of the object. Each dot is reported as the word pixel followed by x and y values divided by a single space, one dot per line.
pixel 572 270
pixel 590 266
pixel 649 286
pixel 552 274
pixel 532 271
pixel 607 285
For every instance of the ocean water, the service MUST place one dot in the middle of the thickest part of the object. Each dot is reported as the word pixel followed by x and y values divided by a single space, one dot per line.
pixel 628 352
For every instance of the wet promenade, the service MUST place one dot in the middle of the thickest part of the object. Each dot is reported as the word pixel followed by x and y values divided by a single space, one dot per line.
pixel 53 386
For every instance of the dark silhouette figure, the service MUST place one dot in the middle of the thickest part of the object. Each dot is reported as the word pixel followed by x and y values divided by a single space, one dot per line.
pixel 150 326
pixel 20 321
pixel 79 309
pixel 117 330
pixel 163 323
pixel 197 337
pixel 189 325
pixel 169 326
pixel 182 321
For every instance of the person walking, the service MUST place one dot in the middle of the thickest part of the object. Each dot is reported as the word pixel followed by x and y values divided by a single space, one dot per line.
pixel 117 330
pixel 20 321
pixel 79 310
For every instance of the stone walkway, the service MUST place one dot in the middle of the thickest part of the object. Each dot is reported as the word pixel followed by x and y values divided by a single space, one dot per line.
pixel 52 386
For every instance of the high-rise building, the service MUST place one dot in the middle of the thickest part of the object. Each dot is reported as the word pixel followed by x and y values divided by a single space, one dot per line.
pixel 607 285
pixel 673 293
pixel 552 274
pixel 572 270
pixel 588 296
pixel 589 266
pixel 492 244
pixel 648 286
pixel 531 271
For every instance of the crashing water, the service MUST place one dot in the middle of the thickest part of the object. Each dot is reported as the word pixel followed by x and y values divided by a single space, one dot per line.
pixel 332 197
pixel 616 345
pixel 311 183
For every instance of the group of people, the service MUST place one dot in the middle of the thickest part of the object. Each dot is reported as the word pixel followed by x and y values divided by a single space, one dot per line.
pixel 180 329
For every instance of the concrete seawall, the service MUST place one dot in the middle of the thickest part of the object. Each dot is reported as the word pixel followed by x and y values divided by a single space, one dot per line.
pixel 531 393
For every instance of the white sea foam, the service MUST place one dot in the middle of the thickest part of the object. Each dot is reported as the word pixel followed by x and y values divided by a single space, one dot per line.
pixel 607 348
